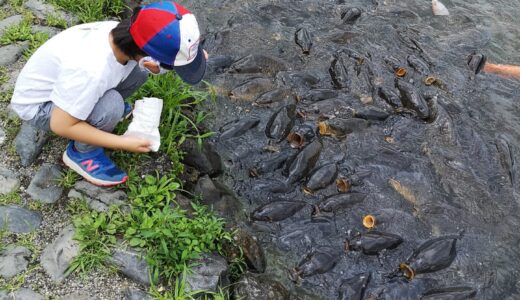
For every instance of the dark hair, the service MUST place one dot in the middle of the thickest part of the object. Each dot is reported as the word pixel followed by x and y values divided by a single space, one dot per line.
pixel 123 39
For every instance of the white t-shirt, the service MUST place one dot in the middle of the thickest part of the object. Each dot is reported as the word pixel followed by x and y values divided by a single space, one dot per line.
pixel 73 70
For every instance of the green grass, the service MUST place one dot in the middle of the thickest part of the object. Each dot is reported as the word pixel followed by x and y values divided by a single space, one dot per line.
pixel 170 237
pixel 4 75
pixel 11 198
pixel 55 21
pixel 18 32
pixel 35 41
pixel 89 10
pixel 68 178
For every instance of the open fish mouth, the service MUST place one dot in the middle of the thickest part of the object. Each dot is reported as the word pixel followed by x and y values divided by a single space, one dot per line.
pixel 408 272
pixel 369 221
pixel 343 185
pixel 401 72
pixel 295 140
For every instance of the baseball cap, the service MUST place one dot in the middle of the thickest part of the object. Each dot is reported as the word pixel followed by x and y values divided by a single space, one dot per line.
pixel 169 33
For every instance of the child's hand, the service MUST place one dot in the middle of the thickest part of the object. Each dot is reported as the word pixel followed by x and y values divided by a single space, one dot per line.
pixel 135 144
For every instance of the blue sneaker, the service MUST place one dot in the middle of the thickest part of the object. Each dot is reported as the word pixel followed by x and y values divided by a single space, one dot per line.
pixel 128 111
pixel 94 166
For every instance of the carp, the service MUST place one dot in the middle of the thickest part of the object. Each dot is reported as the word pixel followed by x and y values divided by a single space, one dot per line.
pixel 341 127
pixel 373 242
pixel 338 202
pixel 353 288
pixel 450 293
pixel 431 256
pixel 411 99
pixel 304 162
pixel 303 39
pixel 319 261
pixel 277 211
pixel 238 128
pixel 321 178
pixel 281 122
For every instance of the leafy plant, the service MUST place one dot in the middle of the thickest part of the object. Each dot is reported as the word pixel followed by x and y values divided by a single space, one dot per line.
pixel 18 32
pixel 89 11
pixel 7 95
pixel 179 100
pixel 55 21
pixel 4 75
pixel 35 41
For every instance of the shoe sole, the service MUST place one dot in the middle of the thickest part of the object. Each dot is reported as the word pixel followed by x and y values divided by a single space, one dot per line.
pixel 71 164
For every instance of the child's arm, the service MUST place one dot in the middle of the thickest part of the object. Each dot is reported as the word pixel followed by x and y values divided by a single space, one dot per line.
pixel 69 127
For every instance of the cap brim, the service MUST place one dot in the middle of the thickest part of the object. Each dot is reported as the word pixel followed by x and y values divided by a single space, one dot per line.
pixel 193 72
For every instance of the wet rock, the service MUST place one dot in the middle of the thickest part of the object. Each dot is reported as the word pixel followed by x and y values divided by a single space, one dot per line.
pixel 321 178
pixel 204 159
pixel 373 242
pixel 136 294
pixel 354 287
pixel 413 100
pixel 218 197
pixel 339 202
pixel 8 181
pixel 19 220
pixel 58 255
pixel 340 128
pixel 259 287
pixel 450 293
pixel 251 89
pixel 98 198
pixel 277 211
pixel 304 162
pixel 44 186
pixel 258 63
pixel 431 256
pixel 351 15
pixel 9 54
pixel 210 273
pixel 319 261
pixel 238 128
pixel 21 294
pixel 29 143
pixel 281 122
pixel 13 261
pixel 303 38
pixel 10 21
pixel 252 251
pixel 132 264
pixel 371 113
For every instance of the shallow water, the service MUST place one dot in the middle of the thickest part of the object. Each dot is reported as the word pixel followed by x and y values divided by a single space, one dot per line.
pixel 457 170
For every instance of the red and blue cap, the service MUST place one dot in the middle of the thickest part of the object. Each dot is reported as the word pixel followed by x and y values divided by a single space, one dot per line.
pixel 169 33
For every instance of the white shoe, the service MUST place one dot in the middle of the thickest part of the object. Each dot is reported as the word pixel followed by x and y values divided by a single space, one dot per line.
pixel 146 119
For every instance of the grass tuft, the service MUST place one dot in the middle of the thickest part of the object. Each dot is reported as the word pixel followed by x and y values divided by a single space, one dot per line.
pixel 11 198
pixel 68 178
pixel 90 11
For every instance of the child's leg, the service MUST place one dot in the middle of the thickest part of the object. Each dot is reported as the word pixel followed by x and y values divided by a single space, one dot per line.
pixel 106 114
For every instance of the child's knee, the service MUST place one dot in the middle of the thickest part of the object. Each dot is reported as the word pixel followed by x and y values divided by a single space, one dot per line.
pixel 109 110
